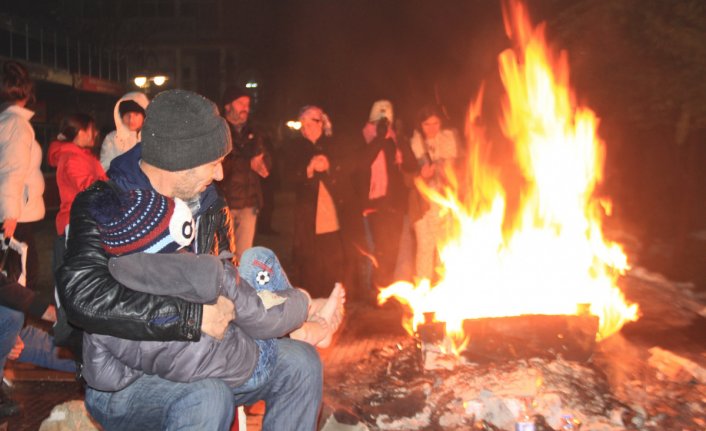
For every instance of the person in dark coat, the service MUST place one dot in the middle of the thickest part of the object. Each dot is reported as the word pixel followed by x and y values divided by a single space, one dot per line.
pixel 325 217
pixel 243 168
pixel 383 161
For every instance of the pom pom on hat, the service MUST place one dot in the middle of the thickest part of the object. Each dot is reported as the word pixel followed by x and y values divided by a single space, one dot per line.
pixel 142 221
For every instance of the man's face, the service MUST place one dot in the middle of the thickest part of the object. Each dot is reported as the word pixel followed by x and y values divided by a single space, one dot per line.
pixel 192 182
pixel 237 111
pixel 312 124
pixel 133 121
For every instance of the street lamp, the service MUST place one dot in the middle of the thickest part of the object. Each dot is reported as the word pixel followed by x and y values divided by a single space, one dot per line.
pixel 143 81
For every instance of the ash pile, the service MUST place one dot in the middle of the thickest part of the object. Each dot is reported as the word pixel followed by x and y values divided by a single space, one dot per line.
pixel 621 385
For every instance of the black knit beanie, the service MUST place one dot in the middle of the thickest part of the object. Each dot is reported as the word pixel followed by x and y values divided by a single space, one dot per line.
pixel 232 93
pixel 183 130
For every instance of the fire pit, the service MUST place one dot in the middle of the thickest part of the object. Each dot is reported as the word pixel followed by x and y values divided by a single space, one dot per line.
pixel 511 338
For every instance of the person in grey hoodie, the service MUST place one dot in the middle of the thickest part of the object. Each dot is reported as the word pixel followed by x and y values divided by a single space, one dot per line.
pixel 144 239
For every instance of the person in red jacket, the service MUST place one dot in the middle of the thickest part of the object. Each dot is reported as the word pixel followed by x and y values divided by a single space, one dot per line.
pixel 77 167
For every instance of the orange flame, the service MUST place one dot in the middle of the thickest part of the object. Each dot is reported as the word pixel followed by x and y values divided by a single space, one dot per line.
pixel 550 256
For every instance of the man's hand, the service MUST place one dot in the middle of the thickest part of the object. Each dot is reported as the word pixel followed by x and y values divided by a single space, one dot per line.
pixel 16 349
pixel 49 314
pixel 320 163
pixel 258 165
pixel 216 317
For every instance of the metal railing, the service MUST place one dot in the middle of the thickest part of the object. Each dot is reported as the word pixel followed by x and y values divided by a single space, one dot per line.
pixel 33 43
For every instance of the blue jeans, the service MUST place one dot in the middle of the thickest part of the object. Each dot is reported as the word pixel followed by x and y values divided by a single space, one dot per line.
pixel 39 345
pixel 293 389
pixel 10 325
pixel 293 392
pixel 40 350
pixel 153 403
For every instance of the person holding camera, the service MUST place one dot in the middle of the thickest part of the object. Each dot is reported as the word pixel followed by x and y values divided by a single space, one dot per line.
pixel 385 159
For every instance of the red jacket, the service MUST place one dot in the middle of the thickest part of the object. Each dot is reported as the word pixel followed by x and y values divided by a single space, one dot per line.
pixel 76 169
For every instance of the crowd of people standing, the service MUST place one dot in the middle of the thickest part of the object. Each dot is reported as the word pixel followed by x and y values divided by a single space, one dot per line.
pixel 181 173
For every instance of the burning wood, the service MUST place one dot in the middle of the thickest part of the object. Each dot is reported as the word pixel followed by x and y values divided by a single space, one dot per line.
pixel 509 338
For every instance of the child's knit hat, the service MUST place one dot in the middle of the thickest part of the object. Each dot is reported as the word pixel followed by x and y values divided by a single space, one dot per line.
pixel 142 221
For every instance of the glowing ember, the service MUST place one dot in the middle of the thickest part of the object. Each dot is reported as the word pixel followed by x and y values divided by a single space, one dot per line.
pixel 550 256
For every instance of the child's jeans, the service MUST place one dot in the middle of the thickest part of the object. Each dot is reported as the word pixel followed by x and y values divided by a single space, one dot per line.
pixel 260 267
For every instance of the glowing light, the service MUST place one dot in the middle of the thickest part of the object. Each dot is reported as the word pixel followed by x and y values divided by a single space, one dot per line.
pixel 251 84
pixel 294 125
pixel 140 81
pixel 159 80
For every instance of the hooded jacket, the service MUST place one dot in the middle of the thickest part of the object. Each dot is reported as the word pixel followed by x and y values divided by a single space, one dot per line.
pixel 110 363
pixel 21 179
pixel 121 139
pixel 76 169
pixel 95 301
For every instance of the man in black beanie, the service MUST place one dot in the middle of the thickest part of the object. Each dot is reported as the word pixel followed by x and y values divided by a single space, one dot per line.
pixel 244 168
pixel 184 142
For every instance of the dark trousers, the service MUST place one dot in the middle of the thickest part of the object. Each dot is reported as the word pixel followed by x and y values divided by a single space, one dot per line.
pixel 323 265
pixel 385 229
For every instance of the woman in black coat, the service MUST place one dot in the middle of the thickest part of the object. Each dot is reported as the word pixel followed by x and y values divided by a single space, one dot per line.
pixel 324 219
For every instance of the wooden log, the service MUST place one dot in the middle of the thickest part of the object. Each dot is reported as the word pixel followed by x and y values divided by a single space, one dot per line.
pixel 493 339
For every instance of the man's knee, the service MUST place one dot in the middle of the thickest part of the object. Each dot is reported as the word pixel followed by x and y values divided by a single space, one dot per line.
pixel 302 361
pixel 208 402
pixel 213 394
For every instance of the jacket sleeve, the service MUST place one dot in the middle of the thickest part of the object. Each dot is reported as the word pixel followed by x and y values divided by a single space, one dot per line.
pixel 95 302
pixel 15 153
pixel 202 278
pixel 192 277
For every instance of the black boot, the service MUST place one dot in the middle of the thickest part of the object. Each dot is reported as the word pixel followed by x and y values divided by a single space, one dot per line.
pixel 7 406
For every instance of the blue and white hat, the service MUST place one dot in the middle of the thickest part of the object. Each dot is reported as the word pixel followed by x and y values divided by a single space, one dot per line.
pixel 143 221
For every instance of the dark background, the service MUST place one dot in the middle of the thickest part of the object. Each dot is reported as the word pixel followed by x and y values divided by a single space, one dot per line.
pixel 639 64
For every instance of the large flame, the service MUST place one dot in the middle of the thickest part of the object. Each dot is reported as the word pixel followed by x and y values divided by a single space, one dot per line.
pixel 550 256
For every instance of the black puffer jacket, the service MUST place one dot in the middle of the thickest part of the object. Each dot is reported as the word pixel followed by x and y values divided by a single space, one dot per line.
pixel 94 301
